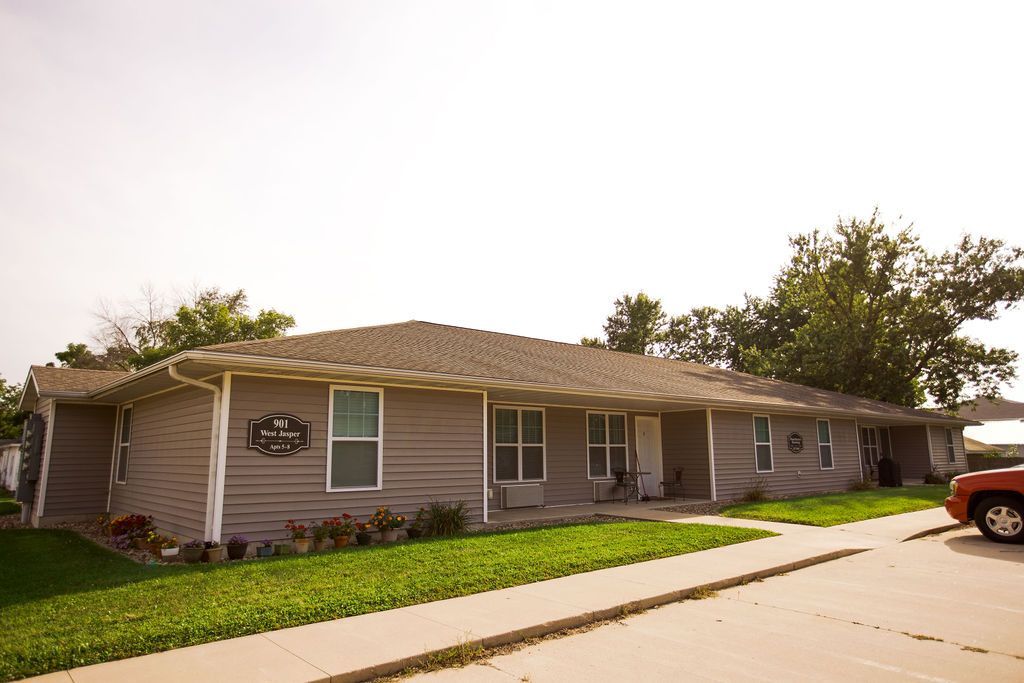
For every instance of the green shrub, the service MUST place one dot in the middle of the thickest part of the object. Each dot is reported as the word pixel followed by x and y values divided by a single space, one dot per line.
pixel 446 519
pixel 861 485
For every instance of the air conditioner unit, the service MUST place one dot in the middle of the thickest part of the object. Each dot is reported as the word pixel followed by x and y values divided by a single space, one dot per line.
pixel 606 490
pixel 522 496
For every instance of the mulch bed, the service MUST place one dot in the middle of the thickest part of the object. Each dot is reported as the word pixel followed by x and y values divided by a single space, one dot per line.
pixel 536 523
pixel 706 508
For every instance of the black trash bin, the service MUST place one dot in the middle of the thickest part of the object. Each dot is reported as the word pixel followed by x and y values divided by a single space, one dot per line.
pixel 890 473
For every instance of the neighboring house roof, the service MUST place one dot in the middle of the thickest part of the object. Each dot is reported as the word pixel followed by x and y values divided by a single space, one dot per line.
pixel 975 446
pixel 449 350
pixel 999 409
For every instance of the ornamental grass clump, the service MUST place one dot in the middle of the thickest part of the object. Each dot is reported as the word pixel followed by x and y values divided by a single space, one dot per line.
pixel 446 519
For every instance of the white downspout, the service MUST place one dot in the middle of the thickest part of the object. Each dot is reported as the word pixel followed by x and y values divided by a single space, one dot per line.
pixel 212 532
pixel 486 502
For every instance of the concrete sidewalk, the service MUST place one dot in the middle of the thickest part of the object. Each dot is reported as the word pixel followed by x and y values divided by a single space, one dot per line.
pixel 366 646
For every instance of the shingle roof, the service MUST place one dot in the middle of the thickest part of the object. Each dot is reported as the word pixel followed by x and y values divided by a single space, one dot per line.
pixel 975 446
pixel 434 348
pixel 1000 409
pixel 71 380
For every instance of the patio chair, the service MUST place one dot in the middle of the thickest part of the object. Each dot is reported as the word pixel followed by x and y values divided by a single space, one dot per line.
pixel 673 489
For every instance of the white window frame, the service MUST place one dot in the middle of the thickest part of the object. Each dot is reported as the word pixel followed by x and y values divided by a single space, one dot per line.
pixel 950 447
pixel 607 444
pixel 119 444
pixel 877 446
pixel 519 443
pixel 380 436
pixel 817 437
pixel 771 450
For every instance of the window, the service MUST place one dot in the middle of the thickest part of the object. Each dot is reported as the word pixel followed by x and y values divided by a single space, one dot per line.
pixel 825 445
pixel 355 447
pixel 124 443
pixel 519 444
pixel 763 444
pixel 950 451
pixel 606 444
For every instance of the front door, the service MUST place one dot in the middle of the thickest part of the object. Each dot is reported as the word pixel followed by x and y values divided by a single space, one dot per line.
pixel 648 451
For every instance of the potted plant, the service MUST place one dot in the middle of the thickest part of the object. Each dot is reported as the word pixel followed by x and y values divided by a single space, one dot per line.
pixel 320 533
pixel 169 548
pixel 387 523
pixel 214 552
pixel 299 538
pixel 362 535
pixel 282 548
pixel 265 549
pixel 192 551
pixel 154 543
pixel 237 547
pixel 340 529
pixel 415 529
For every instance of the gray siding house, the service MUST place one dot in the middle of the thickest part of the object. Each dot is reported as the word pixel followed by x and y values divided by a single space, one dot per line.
pixel 237 438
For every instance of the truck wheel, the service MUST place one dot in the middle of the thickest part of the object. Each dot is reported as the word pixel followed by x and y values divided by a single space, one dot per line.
pixel 1001 519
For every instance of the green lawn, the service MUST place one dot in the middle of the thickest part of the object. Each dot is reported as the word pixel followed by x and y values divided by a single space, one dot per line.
pixel 841 508
pixel 66 602
pixel 8 506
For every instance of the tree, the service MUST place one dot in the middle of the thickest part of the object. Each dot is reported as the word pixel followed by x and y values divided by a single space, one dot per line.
pixel 80 356
pixel 11 417
pixel 139 334
pixel 868 311
pixel 636 326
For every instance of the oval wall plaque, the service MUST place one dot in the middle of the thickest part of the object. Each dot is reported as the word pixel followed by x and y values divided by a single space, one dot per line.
pixel 278 434
pixel 795 442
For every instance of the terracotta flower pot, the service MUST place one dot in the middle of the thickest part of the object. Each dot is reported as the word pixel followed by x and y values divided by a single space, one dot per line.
pixel 340 541
pixel 192 555
pixel 139 543
pixel 154 548
pixel 236 551
pixel 301 546
pixel 388 535
pixel 319 545
pixel 363 538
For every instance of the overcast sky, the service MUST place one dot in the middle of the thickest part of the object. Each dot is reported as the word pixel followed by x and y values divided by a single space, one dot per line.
pixel 511 166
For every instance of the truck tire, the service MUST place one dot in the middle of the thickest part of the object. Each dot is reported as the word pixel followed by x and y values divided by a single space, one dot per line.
pixel 1001 519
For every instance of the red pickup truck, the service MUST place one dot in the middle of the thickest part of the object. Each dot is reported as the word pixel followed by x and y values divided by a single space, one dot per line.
pixel 993 499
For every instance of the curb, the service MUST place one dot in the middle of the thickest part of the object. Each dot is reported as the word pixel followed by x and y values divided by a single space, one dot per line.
pixel 935 530
pixel 540 630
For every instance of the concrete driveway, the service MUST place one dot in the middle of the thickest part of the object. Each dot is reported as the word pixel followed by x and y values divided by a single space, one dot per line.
pixel 943 608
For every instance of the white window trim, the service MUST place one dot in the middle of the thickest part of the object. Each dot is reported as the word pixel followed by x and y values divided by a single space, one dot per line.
pixel 877 446
pixel 771 450
pixel 118 444
pixel 950 446
pixel 519 444
pixel 331 438
pixel 607 444
pixel 817 437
